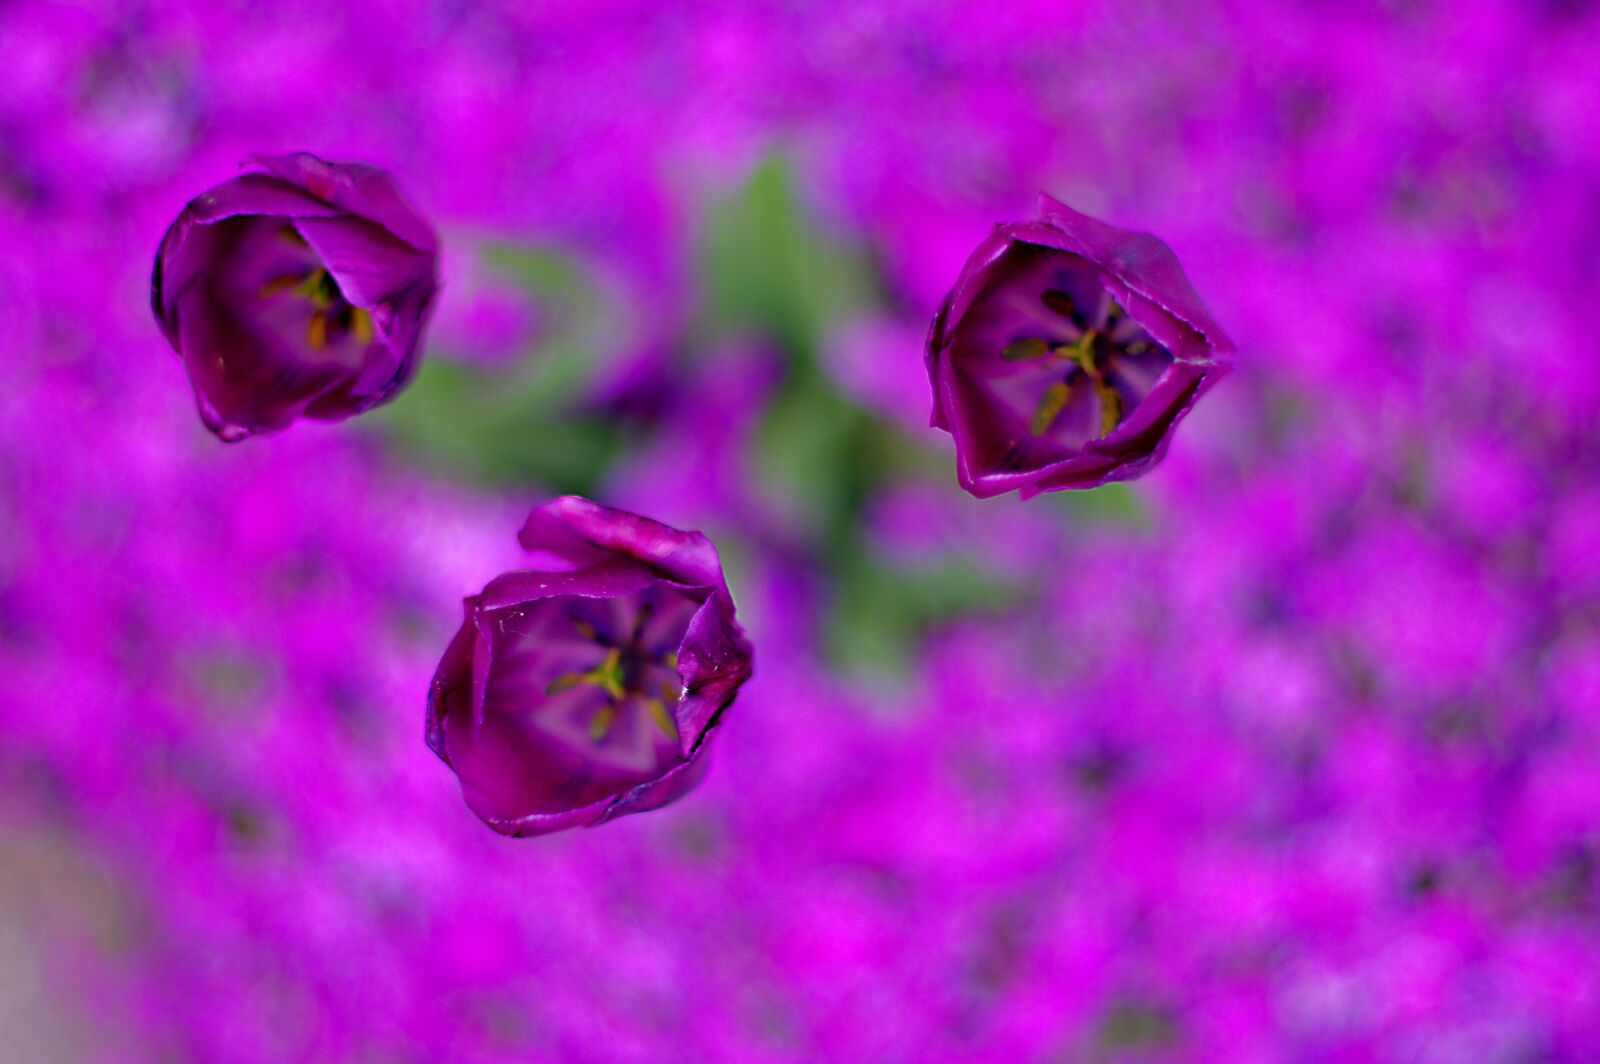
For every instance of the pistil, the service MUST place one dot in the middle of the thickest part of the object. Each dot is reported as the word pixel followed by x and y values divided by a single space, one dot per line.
pixel 330 310
pixel 1089 354
pixel 619 679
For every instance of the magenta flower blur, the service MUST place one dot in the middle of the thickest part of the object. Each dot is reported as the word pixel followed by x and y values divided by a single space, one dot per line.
pixel 299 290
pixel 588 685
pixel 1066 353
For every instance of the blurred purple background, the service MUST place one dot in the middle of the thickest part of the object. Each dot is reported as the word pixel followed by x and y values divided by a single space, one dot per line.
pixel 1287 752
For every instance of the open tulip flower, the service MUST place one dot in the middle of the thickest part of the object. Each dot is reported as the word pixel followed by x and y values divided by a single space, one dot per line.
pixel 297 290
pixel 1066 354
pixel 588 685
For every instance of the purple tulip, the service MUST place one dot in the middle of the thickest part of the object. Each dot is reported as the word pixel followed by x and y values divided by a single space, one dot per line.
pixel 588 685
pixel 297 290
pixel 1066 353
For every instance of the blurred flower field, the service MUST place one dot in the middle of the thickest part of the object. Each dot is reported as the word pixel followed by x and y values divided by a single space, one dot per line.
pixel 1288 751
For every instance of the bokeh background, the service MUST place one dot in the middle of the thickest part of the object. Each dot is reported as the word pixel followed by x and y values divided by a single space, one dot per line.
pixel 1287 752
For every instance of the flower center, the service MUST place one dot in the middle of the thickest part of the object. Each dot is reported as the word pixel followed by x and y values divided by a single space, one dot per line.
pixel 1095 359
pixel 580 697
pixel 330 316
pixel 630 670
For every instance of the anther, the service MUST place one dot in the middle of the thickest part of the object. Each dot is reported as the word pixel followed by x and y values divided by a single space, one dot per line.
pixel 1050 406
pixel 361 324
pixel 1060 302
pixel 1023 350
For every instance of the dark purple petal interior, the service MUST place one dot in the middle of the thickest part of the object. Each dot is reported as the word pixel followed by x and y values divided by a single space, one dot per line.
pixel 1044 361
pixel 301 292
pixel 579 702
pixel 264 331
pixel 1143 264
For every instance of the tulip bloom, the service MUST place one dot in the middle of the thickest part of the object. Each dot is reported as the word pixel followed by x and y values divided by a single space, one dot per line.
pixel 588 685
pixel 297 290
pixel 1066 353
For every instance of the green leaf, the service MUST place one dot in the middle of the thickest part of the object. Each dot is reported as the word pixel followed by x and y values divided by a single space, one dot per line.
pixel 767 268
pixel 883 609
pixel 1116 503
pixel 514 423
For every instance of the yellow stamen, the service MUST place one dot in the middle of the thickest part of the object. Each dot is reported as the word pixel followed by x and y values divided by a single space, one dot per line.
pixel 565 682
pixel 1110 407
pixel 279 285
pixel 361 324
pixel 1023 350
pixel 310 287
pixel 317 331
pixel 1081 350
pixel 601 724
pixel 1110 401
pixel 663 719
pixel 608 674
pixel 1050 406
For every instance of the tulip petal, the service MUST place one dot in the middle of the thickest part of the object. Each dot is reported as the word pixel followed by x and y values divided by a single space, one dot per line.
pixel 581 532
pixel 370 265
pixel 587 685
pixel 300 292
pixel 1066 353
pixel 356 189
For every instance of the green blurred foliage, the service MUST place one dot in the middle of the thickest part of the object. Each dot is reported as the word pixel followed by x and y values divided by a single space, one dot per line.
pixel 766 269
pixel 882 607
pixel 520 423
pixel 1116 503
pixel 769 269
